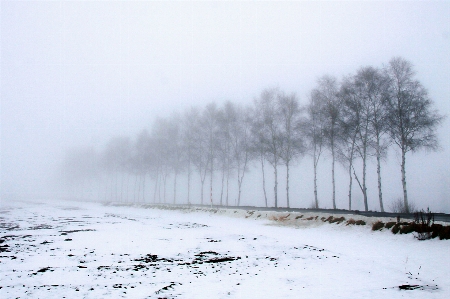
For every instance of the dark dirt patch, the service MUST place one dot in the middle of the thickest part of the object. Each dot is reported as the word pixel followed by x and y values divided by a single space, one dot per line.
pixel 412 287
pixel 9 226
pixel 41 226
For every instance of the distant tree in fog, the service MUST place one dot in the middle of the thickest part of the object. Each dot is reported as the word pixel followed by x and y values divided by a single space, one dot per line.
pixel 313 129
pixel 292 141
pixel 162 149
pixel 176 149
pixel 145 160
pixel 200 154
pixel 189 127
pixel 269 129
pixel 227 116
pixel 378 86
pixel 357 118
pixel 326 93
pixel 210 120
pixel 412 121
pixel 115 159
pixel 257 143
pixel 241 144
pixel 349 122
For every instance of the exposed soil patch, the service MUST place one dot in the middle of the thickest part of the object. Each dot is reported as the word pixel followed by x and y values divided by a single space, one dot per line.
pixel 412 287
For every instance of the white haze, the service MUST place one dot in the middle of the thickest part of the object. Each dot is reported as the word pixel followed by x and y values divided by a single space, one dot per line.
pixel 75 74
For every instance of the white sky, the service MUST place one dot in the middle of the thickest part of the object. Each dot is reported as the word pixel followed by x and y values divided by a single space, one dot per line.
pixel 79 72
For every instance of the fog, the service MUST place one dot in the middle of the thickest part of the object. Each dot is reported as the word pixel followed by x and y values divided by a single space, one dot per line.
pixel 75 74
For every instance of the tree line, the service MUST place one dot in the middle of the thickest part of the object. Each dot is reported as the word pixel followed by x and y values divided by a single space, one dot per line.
pixel 356 118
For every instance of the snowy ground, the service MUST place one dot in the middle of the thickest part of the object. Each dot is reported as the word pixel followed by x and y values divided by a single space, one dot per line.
pixel 87 250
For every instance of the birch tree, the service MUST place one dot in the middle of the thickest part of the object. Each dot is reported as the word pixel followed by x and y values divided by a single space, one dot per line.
pixel 314 128
pixel 189 121
pixel 293 146
pixel 412 119
pixel 211 123
pixel 327 93
pixel 241 143
pixel 269 133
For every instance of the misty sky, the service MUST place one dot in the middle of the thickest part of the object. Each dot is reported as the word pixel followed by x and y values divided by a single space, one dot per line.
pixel 77 73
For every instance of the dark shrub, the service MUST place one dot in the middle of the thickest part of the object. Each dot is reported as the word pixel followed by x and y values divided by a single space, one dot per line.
pixel 389 225
pixel 423 222
pixel 360 222
pixel 406 229
pixel 351 221
pixel 436 230
pixel 445 233
pixel 377 225
pixel 396 228
pixel 329 219
pixel 337 220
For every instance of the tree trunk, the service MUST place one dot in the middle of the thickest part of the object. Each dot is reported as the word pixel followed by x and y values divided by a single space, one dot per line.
pixel 275 188
pixel 380 195
pixel 366 206
pixel 239 188
pixel 211 187
pixel 350 186
pixel 316 200
pixel 332 174
pixel 221 190
pixel 228 180
pixel 287 183
pixel 202 179
pixel 156 187
pixel 264 180
pixel 201 197
pixel 405 194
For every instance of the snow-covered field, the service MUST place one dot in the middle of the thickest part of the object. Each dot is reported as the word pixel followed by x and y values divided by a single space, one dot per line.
pixel 88 250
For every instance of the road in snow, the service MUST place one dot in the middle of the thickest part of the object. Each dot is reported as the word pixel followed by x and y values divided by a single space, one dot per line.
pixel 87 250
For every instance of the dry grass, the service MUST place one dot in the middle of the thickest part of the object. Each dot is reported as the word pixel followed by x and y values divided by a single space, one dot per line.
pixel 280 218
pixel 377 225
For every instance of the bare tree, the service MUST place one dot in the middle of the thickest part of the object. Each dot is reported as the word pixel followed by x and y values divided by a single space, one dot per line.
pixel 412 122
pixel 227 116
pixel 257 143
pixel 314 132
pixel 349 126
pixel 175 149
pixel 378 86
pixel 327 93
pixel 269 132
pixel 241 144
pixel 189 121
pixel 145 160
pixel 200 153
pixel 293 146
pixel 211 122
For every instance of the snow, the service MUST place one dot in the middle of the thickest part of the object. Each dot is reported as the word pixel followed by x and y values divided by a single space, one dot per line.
pixel 89 250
